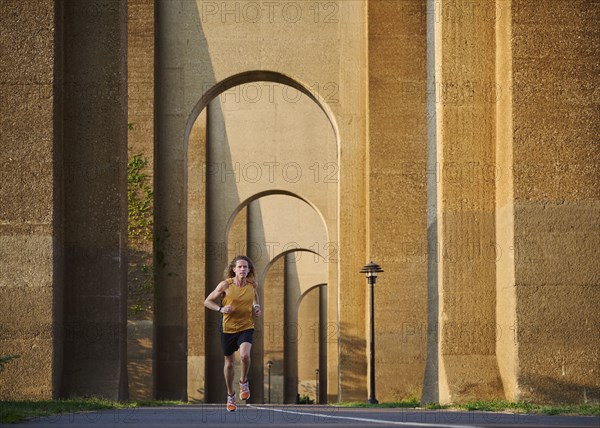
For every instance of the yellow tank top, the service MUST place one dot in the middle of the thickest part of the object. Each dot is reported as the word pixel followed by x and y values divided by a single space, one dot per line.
pixel 240 299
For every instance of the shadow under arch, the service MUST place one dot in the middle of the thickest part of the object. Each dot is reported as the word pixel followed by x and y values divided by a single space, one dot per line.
pixel 259 195
pixel 283 254
pixel 255 76
pixel 309 289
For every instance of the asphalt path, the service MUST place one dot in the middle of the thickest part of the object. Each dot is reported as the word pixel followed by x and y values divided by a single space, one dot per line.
pixel 304 416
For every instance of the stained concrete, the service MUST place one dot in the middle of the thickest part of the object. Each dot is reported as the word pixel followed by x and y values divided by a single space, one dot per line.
pixel 556 199
pixel 31 252
pixel 496 284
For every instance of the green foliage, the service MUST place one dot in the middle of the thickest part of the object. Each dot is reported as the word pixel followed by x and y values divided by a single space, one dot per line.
pixel 305 399
pixel 18 411
pixel 493 406
pixel 140 205
pixel 435 406
pixel 140 198
pixel 8 358
pixel 528 407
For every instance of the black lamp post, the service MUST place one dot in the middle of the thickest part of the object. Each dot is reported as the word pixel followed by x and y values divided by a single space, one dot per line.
pixel 317 387
pixel 269 364
pixel 371 270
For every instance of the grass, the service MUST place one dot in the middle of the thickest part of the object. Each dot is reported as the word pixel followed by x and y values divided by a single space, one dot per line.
pixel 493 406
pixel 18 411
pixel 408 403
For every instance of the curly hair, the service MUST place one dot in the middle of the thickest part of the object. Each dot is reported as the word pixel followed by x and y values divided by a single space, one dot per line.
pixel 229 273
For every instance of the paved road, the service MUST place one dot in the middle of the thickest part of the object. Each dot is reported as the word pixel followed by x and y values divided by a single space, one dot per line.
pixel 207 415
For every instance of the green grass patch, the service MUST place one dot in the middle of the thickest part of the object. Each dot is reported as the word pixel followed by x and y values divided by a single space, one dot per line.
pixel 492 406
pixel 18 411
pixel 410 403
pixel 527 407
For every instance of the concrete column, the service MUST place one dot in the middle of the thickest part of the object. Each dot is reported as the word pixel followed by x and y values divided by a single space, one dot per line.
pixel 556 197
pixel 324 337
pixel 196 261
pixel 291 331
pixel 259 254
pixel 31 239
pixel 397 197
pixel 216 256
pixel 95 195
pixel 140 82
pixel 274 327
pixel 506 321
pixel 466 249
pixel 308 342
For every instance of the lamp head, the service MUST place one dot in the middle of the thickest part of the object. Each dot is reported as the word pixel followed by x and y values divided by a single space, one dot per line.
pixel 371 270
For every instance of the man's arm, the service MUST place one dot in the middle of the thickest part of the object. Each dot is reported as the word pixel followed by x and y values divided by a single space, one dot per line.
pixel 255 304
pixel 211 301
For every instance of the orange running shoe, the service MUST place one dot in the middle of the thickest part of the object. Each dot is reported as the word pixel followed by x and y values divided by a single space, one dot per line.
pixel 244 390
pixel 231 406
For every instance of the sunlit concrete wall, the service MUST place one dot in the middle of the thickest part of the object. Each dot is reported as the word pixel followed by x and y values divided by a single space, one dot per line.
pixel 397 222
pixel 31 239
pixel 556 199
pixel 470 173
pixel 466 125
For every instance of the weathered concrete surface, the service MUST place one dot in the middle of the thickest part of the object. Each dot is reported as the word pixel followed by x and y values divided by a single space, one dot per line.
pixel 517 202
pixel 555 71
pixel 467 256
pixel 95 198
pixel 31 276
pixel 140 142
pixel 397 228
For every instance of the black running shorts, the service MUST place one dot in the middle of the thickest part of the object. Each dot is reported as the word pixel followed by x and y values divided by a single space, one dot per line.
pixel 230 342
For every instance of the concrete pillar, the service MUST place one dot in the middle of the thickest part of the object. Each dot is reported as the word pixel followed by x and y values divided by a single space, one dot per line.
pixel 31 239
pixel 506 320
pixel 140 142
pixel 397 197
pixel 95 198
pixel 196 261
pixel 308 339
pixel 466 250
pixel 216 256
pixel 259 254
pixel 291 332
pixel 274 327
pixel 556 199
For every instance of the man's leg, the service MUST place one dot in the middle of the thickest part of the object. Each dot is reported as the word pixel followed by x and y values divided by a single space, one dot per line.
pixel 245 349
pixel 228 372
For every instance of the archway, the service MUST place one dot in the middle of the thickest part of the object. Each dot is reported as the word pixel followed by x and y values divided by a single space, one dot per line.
pixel 295 330
pixel 208 231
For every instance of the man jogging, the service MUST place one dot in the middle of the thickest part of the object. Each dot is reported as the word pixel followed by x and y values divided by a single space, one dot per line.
pixel 236 297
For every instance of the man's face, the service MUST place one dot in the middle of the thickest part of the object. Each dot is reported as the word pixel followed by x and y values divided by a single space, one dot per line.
pixel 241 268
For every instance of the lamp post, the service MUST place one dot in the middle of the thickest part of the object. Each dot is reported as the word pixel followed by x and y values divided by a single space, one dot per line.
pixel 371 270
pixel 317 387
pixel 269 364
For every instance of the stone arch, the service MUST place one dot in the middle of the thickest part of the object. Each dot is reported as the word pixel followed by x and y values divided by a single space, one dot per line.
pixel 255 76
pixel 259 195
pixel 306 331
pixel 198 361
